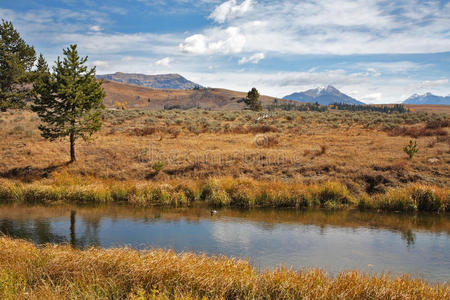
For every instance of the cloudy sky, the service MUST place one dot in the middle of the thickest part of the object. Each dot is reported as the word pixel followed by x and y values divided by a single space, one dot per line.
pixel 377 51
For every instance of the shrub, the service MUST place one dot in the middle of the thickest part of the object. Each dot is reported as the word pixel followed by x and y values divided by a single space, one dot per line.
pixel 158 166
pixel 427 200
pixel 145 131
pixel 417 132
pixel 411 149
pixel 175 132
pixel 435 124
pixel 263 129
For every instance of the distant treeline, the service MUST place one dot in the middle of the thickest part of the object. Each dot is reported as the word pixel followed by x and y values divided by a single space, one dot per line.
pixel 396 108
pixel 297 107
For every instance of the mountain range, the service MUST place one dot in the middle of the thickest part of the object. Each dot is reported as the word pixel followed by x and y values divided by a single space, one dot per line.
pixel 163 81
pixel 427 98
pixel 324 96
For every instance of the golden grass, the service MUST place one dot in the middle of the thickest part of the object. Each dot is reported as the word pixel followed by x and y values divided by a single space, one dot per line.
pixel 221 192
pixel 61 272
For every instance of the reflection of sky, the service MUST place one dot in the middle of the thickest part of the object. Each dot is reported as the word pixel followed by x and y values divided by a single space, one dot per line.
pixel 336 248
pixel 265 245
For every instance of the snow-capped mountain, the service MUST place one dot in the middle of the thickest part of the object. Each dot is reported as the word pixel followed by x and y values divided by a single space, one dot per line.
pixel 322 95
pixel 427 98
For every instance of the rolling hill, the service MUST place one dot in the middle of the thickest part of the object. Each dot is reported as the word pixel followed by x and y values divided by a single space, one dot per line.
pixel 324 96
pixel 162 81
pixel 151 98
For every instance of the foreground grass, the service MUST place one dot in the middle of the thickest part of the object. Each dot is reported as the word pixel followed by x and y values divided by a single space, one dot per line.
pixel 58 272
pixel 222 192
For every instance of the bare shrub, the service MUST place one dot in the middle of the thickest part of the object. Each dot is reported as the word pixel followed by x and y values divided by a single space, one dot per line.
pixel 416 132
pixel 263 129
pixel 145 131
pixel 435 124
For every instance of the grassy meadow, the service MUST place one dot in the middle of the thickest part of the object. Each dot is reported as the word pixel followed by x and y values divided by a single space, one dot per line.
pixel 235 158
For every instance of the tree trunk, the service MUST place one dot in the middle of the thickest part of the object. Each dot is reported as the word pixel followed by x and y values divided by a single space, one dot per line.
pixel 72 148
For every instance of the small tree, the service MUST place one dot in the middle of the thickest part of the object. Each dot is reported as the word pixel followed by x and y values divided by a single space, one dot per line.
pixel 252 100
pixel 69 100
pixel 16 60
pixel 411 149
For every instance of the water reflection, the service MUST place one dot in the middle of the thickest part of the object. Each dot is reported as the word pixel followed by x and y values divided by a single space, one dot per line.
pixel 418 244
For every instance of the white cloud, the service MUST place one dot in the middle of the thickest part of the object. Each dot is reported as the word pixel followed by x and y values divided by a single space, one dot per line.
pixel 254 59
pixel 340 27
pixel 165 62
pixel 230 9
pixel 96 28
pixel 223 41
pixel 427 84
pixel 100 63
pixel 391 67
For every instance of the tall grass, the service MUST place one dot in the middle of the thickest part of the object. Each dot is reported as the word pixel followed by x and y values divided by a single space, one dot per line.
pixel 411 198
pixel 222 192
pixel 61 272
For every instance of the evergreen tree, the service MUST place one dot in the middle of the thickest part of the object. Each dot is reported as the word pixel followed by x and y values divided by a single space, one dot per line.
pixel 69 100
pixel 252 100
pixel 16 60
pixel 41 73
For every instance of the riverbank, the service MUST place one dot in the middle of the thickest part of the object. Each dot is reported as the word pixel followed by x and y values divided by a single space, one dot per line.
pixel 222 192
pixel 61 272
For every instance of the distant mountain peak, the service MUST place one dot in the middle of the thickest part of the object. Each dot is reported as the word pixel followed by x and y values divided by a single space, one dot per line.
pixel 323 95
pixel 427 98
pixel 331 88
pixel 159 81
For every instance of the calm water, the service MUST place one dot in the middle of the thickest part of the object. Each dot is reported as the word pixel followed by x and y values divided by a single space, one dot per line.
pixel 334 241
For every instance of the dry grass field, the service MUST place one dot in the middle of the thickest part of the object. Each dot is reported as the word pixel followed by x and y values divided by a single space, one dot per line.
pixel 363 150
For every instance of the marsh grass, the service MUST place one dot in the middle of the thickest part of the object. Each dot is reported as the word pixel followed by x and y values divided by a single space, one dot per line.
pixel 61 272
pixel 413 198
pixel 222 192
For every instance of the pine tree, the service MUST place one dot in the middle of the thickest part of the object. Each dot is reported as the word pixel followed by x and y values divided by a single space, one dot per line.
pixel 252 100
pixel 16 60
pixel 69 100
pixel 41 68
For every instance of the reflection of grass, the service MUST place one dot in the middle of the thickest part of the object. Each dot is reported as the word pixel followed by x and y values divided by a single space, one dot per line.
pixel 60 272
pixel 407 224
pixel 242 192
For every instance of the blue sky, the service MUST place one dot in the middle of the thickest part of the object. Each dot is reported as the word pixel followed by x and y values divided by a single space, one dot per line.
pixel 377 51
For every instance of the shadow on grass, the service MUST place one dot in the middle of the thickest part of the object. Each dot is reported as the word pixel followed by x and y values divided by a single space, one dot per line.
pixel 30 173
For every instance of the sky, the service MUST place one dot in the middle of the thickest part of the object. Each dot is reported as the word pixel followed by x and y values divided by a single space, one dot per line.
pixel 377 51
